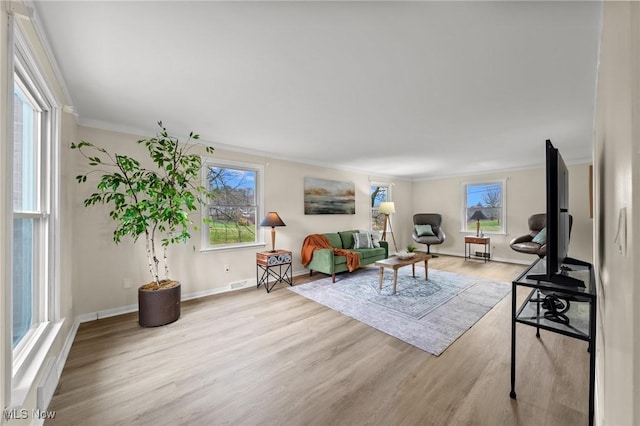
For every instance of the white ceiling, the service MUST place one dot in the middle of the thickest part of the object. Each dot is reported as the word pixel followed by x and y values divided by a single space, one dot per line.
pixel 408 89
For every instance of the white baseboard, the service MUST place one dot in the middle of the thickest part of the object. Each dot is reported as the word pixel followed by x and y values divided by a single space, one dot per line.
pixel 233 286
pixel 497 259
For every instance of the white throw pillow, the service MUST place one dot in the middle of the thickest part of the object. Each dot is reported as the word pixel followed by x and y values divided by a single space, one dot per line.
pixel 362 240
pixel 375 237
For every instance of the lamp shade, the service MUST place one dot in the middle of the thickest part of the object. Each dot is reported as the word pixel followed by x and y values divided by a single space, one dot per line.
pixel 478 215
pixel 387 207
pixel 272 219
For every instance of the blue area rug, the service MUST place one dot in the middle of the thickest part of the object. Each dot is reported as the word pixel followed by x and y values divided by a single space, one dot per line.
pixel 427 314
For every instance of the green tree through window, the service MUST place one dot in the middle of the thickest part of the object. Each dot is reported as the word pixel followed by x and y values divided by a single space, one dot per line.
pixel 233 208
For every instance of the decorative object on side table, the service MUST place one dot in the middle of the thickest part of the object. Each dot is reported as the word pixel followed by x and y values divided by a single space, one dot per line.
pixel 270 264
pixel 386 208
pixel 272 219
pixel 156 202
pixel 478 216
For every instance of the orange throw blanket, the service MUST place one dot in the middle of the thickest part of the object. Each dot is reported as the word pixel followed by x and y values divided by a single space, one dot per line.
pixel 318 241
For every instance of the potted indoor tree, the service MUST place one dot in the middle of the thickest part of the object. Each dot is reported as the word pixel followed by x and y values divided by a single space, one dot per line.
pixel 156 202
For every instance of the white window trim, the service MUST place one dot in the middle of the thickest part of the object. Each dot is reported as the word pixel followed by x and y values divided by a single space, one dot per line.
pixel 25 361
pixel 463 217
pixel 204 234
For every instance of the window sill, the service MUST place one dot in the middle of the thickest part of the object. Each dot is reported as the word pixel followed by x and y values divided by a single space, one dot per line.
pixel 472 233
pixel 231 247
pixel 28 367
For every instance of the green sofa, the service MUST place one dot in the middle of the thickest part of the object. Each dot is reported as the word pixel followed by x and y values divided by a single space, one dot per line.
pixel 325 261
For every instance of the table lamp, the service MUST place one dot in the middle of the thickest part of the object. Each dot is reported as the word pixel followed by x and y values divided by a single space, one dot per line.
pixel 272 219
pixel 478 216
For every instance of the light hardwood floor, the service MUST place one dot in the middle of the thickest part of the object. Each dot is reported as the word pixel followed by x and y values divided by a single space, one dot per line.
pixel 248 358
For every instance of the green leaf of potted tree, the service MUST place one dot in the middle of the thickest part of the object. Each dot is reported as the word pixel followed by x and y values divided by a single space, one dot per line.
pixel 155 202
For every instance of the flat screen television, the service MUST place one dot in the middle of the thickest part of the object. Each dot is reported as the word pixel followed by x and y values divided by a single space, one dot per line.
pixel 558 222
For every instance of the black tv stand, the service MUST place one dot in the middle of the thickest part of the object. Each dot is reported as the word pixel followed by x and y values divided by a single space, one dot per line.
pixel 576 319
pixel 559 279
pixel 577 262
pixel 562 278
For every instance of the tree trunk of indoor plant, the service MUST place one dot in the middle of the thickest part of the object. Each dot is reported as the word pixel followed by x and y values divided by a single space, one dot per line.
pixel 158 307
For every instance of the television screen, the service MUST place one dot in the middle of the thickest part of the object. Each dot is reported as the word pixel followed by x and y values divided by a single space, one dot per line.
pixel 557 210
pixel 558 220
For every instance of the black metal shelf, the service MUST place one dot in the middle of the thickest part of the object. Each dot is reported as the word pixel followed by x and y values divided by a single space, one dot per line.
pixel 579 319
pixel 531 313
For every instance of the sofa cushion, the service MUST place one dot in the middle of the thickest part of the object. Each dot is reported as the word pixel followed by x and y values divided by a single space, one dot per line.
pixel 334 239
pixel 372 252
pixel 347 238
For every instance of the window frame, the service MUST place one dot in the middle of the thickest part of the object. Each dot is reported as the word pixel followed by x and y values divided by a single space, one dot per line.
pixel 503 218
pixel 259 196
pixel 389 187
pixel 23 362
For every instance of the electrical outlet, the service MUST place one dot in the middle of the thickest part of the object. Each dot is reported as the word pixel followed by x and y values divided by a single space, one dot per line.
pixel 126 283
pixel 226 268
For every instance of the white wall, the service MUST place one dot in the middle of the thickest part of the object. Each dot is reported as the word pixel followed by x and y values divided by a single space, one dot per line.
pixel 617 186
pixel 98 285
pixel 525 195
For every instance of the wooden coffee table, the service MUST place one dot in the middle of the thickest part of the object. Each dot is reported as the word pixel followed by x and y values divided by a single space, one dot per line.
pixel 396 263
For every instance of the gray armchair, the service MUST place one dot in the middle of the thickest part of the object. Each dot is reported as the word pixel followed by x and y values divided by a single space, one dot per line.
pixel 527 244
pixel 437 233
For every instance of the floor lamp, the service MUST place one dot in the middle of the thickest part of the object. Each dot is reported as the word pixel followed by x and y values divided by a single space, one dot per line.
pixel 386 208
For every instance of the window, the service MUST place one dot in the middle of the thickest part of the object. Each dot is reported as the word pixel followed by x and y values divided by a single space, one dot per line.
pixel 484 202
pixel 34 117
pixel 27 218
pixel 379 192
pixel 32 231
pixel 234 208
